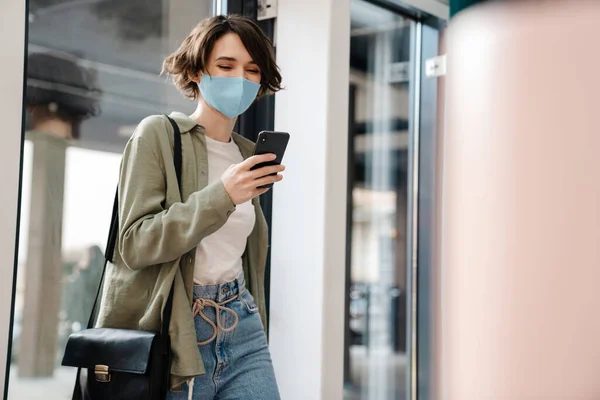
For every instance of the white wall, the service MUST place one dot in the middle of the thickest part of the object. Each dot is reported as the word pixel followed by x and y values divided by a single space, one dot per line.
pixel 309 210
pixel 12 20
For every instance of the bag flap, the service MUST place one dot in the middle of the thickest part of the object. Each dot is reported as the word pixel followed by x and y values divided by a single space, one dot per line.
pixel 121 350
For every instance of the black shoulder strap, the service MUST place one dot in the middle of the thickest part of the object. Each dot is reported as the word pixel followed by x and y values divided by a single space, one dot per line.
pixel 114 234
pixel 177 152
pixel 178 161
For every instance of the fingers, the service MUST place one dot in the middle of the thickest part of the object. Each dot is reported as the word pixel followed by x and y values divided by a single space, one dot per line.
pixel 265 180
pixel 268 170
pixel 252 161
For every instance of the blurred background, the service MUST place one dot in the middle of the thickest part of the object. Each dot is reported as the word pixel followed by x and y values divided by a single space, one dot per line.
pixel 397 128
pixel 93 74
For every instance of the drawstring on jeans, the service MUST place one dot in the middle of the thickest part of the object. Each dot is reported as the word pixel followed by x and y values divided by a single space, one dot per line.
pixel 191 389
pixel 200 304
pixel 197 308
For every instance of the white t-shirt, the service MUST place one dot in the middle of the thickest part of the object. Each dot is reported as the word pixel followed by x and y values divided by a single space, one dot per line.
pixel 219 256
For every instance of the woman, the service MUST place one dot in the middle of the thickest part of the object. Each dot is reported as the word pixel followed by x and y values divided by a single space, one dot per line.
pixel 212 243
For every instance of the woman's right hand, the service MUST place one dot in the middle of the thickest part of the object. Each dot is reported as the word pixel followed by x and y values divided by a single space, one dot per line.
pixel 242 183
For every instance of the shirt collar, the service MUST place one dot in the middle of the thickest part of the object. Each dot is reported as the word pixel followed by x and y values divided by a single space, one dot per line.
pixel 184 122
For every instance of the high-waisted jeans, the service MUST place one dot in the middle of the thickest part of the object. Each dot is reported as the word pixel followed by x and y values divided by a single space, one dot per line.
pixel 233 345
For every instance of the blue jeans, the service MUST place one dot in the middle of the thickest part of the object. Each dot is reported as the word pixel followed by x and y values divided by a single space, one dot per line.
pixel 233 347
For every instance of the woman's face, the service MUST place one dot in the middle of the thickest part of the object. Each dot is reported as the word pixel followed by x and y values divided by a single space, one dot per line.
pixel 230 58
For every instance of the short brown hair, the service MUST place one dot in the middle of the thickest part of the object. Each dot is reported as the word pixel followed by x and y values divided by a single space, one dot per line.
pixel 192 56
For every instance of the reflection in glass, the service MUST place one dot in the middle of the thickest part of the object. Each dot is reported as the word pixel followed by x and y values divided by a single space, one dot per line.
pixel 92 76
pixel 381 67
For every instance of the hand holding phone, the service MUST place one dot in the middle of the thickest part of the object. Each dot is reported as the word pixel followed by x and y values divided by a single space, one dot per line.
pixel 243 183
pixel 270 143
pixel 257 174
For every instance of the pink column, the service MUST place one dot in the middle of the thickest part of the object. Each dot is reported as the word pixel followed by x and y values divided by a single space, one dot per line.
pixel 521 203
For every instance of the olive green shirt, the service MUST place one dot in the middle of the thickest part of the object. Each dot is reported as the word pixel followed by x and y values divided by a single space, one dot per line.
pixel 159 232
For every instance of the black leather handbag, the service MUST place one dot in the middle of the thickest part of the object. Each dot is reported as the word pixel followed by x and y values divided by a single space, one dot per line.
pixel 119 364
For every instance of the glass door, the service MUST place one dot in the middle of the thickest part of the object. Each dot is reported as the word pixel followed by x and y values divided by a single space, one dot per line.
pixel 92 76
pixel 381 73
pixel 393 265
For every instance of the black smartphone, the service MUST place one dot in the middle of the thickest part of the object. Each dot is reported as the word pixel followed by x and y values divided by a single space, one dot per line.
pixel 270 142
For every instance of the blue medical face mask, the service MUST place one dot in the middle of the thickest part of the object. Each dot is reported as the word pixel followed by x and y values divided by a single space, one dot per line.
pixel 230 96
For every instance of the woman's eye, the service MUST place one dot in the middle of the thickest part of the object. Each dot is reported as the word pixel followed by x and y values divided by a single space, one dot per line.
pixel 253 71
pixel 225 67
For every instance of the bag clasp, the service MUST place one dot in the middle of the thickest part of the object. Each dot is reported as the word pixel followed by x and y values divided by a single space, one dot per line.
pixel 102 374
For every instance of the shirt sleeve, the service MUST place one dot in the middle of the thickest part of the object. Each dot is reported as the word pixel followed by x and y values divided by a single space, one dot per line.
pixel 150 234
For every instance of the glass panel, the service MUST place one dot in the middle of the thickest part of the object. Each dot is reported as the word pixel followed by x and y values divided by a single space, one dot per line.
pixel 381 68
pixel 429 211
pixel 93 74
